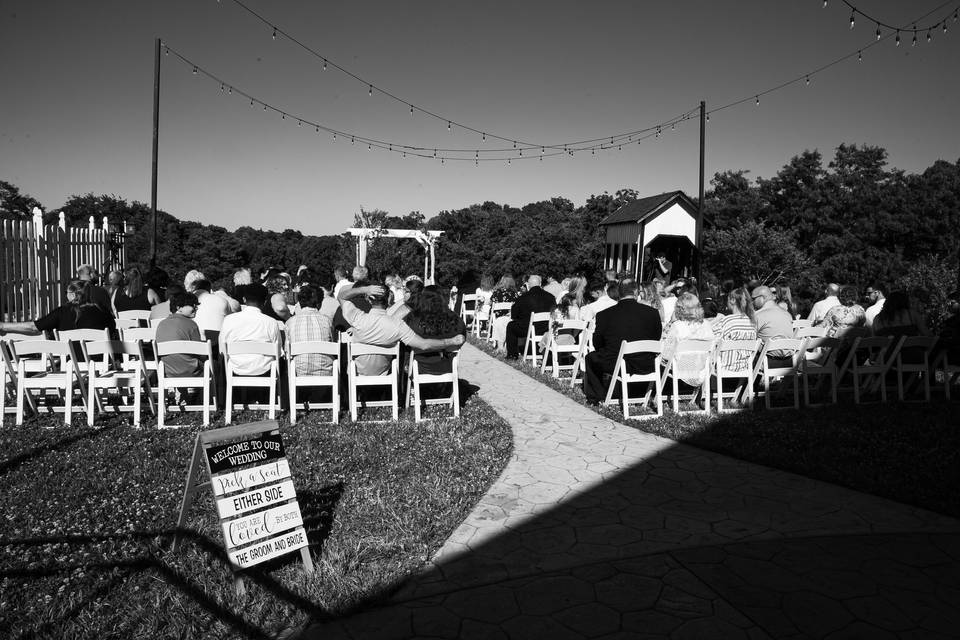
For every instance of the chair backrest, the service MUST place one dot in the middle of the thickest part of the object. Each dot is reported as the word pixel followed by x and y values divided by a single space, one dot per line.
pixel 83 335
pixel 736 355
pixel 799 324
pixel 23 348
pixel 323 347
pixel 573 325
pixel 537 318
pixel 153 322
pixel 502 306
pixel 692 357
pixel 188 347
pixel 113 347
pixel 145 334
pixel 134 314
pixel 829 347
pixel 791 346
pixel 361 349
pixel 468 299
pixel 640 346
pixel 251 347
pixel 810 332
pixel 917 348
pixel 124 323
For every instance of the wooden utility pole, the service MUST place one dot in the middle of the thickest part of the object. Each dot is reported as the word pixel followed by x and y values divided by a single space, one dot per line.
pixel 153 174
pixel 699 231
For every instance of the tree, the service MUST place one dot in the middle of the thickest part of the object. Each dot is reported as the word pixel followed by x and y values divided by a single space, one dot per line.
pixel 13 204
pixel 753 251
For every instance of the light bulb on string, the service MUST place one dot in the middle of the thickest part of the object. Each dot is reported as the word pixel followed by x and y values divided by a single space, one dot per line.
pixel 434 153
pixel 166 51
pixel 824 4
pixel 352 141
pixel 369 147
pixel 619 147
pixel 404 154
pixel 251 102
pixel 264 106
pixel 514 144
pixel 929 37
pixel 944 26
pixel 853 18
pixel 274 33
pixel 476 163
pixel 370 90
pixel 878 31
pixel 324 64
pixel 448 125
pixel 390 148
pixel 442 161
pixel 897 41
pixel 283 116
pixel 195 70
pixel 411 109
pixel 299 123
pixel 542 149
pixel 808 80
pixel 860 56
pixel 708 117
pixel 483 137
pixel 230 91
pixel 221 87
pixel 508 160
pixel 318 128
pixel 758 101
pixel 913 43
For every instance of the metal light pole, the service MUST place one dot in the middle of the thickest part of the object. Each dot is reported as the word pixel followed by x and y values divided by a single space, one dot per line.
pixel 699 230
pixel 153 175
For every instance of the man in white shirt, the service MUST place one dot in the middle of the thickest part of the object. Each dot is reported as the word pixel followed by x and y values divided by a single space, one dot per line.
pixel 875 297
pixel 820 308
pixel 341 277
pixel 250 325
pixel 607 295
pixel 212 310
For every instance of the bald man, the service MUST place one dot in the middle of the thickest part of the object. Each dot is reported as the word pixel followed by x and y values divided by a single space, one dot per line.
pixel 772 322
pixel 535 300
pixel 830 300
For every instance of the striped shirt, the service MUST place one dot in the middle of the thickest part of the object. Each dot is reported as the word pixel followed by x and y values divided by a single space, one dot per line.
pixel 735 327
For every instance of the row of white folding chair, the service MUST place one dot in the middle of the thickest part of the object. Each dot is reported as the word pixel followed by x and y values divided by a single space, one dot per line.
pixel 468 308
pixel 118 365
pixel 497 309
pixel 416 379
pixel 8 374
pixel 533 337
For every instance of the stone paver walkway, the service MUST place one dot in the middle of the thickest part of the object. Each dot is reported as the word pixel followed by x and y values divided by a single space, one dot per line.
pixel 597 530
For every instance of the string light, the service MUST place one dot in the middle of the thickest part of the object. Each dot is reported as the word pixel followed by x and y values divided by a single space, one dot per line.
pixel 274 33
pixel 758 100
pixel 411 109
pixel 860 56
pixel 824 4
pixel 448 125
pixel 808 80
pixel 878 31
pixel 370 90
pixel 324 64
pixel 230 91
pixel 929 37
pixel 195 70
pixel 299 123
pixel 898 38
pixel 853 18
pixel 484 137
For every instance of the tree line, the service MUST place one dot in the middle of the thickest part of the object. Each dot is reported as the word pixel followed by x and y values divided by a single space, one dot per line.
pixel 852 221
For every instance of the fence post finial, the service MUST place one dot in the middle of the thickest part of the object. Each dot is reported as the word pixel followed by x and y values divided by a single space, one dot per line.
pixel 90 223
pixel 63 220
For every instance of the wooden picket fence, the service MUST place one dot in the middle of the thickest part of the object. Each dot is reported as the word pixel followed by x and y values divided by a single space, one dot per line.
pixel 37 262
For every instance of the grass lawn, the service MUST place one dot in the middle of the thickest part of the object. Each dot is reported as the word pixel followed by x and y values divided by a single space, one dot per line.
pixel 908 452
pixel 88 515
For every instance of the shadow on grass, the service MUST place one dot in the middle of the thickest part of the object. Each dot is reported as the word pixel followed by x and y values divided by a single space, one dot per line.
pixel 12 463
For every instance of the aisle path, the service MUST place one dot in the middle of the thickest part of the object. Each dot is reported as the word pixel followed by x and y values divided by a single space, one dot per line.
pixel 595 529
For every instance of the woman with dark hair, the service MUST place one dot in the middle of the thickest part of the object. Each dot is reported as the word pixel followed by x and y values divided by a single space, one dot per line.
pixel 650 296
pixel 133 295
pixel 898 318
pixel 844 316
pixel 78 313
pixel 784 299
pixel 432 318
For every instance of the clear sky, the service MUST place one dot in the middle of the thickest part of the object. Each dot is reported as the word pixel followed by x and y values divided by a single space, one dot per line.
pixel 76 108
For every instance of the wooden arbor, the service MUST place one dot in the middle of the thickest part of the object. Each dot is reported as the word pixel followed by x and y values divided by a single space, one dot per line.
pixel 427 239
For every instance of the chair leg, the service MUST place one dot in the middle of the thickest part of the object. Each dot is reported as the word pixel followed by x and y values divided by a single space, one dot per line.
pixel 162 405
pixel 68 403
pixel 395 398
pixel 228 410
pixel 136 404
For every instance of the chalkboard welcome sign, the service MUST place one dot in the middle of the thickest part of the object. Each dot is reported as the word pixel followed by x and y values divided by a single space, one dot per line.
pixel 255 497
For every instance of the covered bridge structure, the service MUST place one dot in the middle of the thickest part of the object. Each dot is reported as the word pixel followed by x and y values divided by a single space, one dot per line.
pixel 669 224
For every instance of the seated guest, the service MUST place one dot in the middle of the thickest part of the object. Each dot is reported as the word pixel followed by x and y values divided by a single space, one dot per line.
pixel 377 328
pixel 97 294
pixel 329 304
pixel 651 297
pixel 505 291
pixel 627 320
pixel 605 295
pixel 846 315
pixel 874 297
pixel 784 298
pixel 211 312
pixel 688 324
pixel 157 279
pixel 553 287
pixel 773 322
pixel 820 308
pixel 179 325
pixel 569 307
pixel 432 318
pixel 394 285
pixel 78 313
pixel 484 295
pixel 535 300
pixel 133 295
pixel 309 324
pixel 278 288
pixel 162 310
pixel 411 295
pixel 898 318
pixel 738 325
pixel 340 281
pixel 250 325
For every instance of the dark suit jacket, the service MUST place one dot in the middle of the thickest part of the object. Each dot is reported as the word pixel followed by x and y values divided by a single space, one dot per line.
pixel 536 300
pixel 627 320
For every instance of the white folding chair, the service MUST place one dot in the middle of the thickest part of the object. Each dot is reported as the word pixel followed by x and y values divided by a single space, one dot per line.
pixel 586 346
pixel 140 316
pixel 622 376
pixel 75 339
pixel 810 332
pixel 800 324
pixel 691 360
pixel 768 372
pixel 468 308
pixel 868 362
pixel 913 359
pixel 553 349
pixel 314 348
pixel 950 372
pixel 733 360
pixel 111 365
pixel 147 336
pixel 389 379
pixel 417 380
pixel 824 364
pixel 153 322
pixel 497 309
pixel 533 338
pixel 31 377
pixel 8 373
pixel 268 381
pixel 167 383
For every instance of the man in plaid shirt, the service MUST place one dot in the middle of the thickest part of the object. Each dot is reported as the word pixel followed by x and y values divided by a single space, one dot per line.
pixel 309 324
